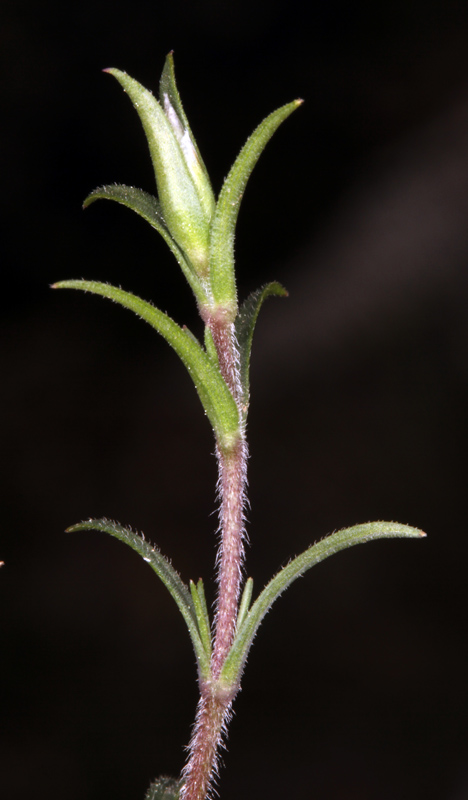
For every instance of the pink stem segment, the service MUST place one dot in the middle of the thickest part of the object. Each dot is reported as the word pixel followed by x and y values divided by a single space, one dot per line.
pixel 232 477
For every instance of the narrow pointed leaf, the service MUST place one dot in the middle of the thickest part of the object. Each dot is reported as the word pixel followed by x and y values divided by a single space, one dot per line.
pixel 201 611
pixel 148 207
pixel 204 606
pixel 245 602
pixel 214 394
pixel 348 537
pixel 224 221
pixel 210 346
pixel 245 324
pixel 163 569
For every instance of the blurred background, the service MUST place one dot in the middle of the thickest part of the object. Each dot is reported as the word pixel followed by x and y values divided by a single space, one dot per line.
pixel 357 683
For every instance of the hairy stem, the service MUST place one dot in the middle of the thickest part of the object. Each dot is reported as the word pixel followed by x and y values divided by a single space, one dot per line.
pixel 215 699
pixel 213 715
pixel 232 476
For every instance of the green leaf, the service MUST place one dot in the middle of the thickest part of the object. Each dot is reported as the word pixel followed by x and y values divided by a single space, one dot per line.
pixel 148 207
pixel 348 537
pixel 214 394
pixel 224 222
pixel 245 602
pixel 245 325
pixel 163 569
pixel 201 611
pixel 210 346
pixel 164 789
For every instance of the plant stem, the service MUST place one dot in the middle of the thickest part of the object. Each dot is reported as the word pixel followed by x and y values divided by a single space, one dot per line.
pixel 215 699
pixel 232 476
pixel 213 715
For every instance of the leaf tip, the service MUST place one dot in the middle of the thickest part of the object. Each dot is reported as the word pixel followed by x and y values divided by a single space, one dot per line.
pixel 90 198
pixel 117 73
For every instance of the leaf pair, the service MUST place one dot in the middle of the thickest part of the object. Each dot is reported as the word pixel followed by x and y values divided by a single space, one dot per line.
pixel 192 604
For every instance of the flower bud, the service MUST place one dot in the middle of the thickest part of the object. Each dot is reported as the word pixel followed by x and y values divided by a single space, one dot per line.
pixel 184 190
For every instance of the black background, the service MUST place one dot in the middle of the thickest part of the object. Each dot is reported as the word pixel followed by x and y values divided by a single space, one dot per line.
pixel 357 684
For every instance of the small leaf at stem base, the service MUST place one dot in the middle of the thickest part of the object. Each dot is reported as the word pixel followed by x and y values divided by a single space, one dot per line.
pixel 164 789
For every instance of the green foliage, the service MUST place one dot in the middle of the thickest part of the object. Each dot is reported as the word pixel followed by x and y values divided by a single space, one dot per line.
pixel 200 230
pixel 222 276
pixel 200 233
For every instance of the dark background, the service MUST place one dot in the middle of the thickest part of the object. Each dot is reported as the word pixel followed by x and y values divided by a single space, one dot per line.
pixel 357 683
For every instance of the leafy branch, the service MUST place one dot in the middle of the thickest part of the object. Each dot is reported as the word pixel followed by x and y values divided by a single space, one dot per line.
pixel 200 232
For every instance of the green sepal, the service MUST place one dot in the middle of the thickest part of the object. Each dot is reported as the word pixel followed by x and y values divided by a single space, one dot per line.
pixel 164 789
pixel 168 88
pixel 214 394
pixel 201 610
pixel 245 325
pixel 184 214
pixel 148 207
pixel 222 275
pixel 163 569
pixel 358 534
